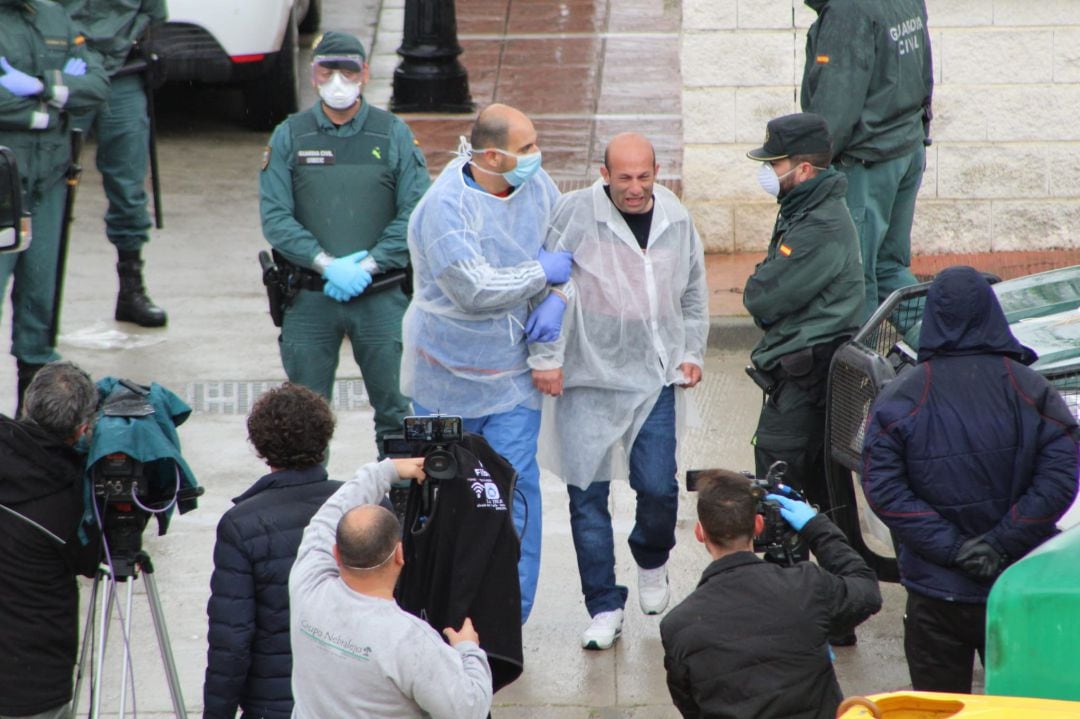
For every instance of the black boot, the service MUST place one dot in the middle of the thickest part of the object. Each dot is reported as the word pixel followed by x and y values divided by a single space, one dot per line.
pixel 132 304
pixel 26 375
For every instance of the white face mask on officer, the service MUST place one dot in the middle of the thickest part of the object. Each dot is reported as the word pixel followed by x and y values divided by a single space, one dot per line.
pixel 769 180
pixel 338 92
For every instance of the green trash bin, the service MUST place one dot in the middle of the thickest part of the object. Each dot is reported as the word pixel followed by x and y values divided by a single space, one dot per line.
pixel 1033 624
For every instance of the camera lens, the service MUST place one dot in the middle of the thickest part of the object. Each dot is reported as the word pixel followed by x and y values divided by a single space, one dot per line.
pixel 440 464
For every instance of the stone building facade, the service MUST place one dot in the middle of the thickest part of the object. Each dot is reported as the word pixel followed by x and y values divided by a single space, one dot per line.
pixel 1003 172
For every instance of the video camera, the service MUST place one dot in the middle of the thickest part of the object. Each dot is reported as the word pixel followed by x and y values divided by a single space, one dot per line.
pixel 778 538
pixel 135 469
pixel 432 437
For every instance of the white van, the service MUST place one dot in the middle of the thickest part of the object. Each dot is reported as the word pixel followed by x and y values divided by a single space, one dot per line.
pixel 252 43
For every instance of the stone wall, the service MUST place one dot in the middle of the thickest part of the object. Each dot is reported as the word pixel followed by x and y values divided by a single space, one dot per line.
pixel 1003 172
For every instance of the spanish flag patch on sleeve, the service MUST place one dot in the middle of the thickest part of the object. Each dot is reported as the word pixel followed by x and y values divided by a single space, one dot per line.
pixel 785 250
pixel 822 59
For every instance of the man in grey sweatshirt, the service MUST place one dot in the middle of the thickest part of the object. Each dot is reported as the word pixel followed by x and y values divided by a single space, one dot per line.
pixel 355 652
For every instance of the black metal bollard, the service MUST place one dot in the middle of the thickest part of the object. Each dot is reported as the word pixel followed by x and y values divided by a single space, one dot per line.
pixel 430 78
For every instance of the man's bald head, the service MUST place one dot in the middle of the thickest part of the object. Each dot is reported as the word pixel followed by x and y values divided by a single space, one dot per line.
pixel 503 127
pixel 367 536
pixel 629 147
pixel 630 171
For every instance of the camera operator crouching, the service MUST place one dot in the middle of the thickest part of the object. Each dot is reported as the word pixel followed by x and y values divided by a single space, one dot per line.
pixel 41 507
pixel 752 639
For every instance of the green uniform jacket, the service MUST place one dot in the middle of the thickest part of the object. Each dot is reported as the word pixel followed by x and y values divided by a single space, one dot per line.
pixel 111 27
pixel 809 288
pixel 405 170
pixel 37 38
pixel 869 73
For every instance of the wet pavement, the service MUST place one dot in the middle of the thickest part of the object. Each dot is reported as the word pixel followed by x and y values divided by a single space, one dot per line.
pixel 584 71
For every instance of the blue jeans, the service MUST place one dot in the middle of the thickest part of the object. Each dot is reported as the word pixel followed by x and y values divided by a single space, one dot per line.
pixel 652 477
pixel 513 435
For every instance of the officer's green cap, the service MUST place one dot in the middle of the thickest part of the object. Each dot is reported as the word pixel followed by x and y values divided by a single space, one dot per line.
pixel 804 133
pixel 339 43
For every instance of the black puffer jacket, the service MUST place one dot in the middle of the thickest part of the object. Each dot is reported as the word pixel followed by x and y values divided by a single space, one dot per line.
pixel 40 481
pixel 751 642
pixel 249 663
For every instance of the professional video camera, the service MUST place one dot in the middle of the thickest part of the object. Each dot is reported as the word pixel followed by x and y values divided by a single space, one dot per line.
pixel 135 469
pixel 778 539
pixel 431 437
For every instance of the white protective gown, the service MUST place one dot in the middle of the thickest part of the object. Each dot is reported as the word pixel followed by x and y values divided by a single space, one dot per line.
pixel 474 272
pixel 632 319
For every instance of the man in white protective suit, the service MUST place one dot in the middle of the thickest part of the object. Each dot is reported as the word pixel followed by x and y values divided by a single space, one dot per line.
pixel 481 275
pixel 634 331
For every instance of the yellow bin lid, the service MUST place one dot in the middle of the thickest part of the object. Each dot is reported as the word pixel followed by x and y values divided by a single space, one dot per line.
pixel 931 705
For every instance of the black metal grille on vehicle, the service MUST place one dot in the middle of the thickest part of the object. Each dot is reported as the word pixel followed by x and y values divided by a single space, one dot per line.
pixel 856 378
pixel 190 53
pixel 1068 384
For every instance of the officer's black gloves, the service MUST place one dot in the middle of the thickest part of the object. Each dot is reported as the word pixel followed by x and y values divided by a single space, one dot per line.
pixel 979 560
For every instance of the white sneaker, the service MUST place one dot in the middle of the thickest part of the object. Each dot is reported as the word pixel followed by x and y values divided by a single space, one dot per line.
pixel 604 630
pixel 653 590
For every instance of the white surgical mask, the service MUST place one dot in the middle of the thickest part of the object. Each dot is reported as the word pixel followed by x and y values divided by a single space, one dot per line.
pixel 339 93
pixel 769 180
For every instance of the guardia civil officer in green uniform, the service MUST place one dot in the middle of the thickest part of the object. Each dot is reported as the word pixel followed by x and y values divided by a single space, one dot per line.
pixel 869 74
pixel 807 296
pixel 338 184
pixel 45 74
pixel 113 29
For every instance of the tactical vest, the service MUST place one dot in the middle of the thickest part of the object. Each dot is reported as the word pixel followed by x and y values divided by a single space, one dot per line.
pixel 343 187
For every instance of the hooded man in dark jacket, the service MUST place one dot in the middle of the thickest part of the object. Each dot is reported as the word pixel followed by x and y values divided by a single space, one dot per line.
pixel 249 663
pixel 41 505
pixel 970 458
pixel 806 295
pixel 751 642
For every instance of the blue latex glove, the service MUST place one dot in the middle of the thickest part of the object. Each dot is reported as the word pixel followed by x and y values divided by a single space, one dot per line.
pixel 336 293
pixel 76 67
pixel 545 322
pixel 556 265
pixel 18 82
pixel 797 514
pixel 346 273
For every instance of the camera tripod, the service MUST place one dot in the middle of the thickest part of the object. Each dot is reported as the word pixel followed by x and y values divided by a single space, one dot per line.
pixel 124 568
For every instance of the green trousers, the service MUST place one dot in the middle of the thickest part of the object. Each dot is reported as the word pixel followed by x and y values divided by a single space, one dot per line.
pixel 310 344
pixel 122 129
pixel 34 279
pixel 881 197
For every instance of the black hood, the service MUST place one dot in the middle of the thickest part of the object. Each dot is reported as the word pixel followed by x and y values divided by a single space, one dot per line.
pixel 34 463
pixel 963 317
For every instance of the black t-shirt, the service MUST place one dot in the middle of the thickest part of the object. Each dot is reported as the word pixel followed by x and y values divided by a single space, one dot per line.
pixel 639 223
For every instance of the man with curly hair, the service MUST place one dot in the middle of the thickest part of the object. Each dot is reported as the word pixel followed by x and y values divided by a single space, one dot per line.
pixel 249 663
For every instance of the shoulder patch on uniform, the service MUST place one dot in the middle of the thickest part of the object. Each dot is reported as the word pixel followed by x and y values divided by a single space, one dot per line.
pixel 416 142
pixel 266 157
pixel 785 250
pixel 822 59
pixel 80 40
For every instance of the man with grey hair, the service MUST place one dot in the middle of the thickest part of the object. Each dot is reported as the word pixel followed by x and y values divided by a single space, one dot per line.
pixel 355 652
pixel 41 504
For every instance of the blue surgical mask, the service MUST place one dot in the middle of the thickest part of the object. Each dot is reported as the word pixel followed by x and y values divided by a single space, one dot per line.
pixel 527 165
